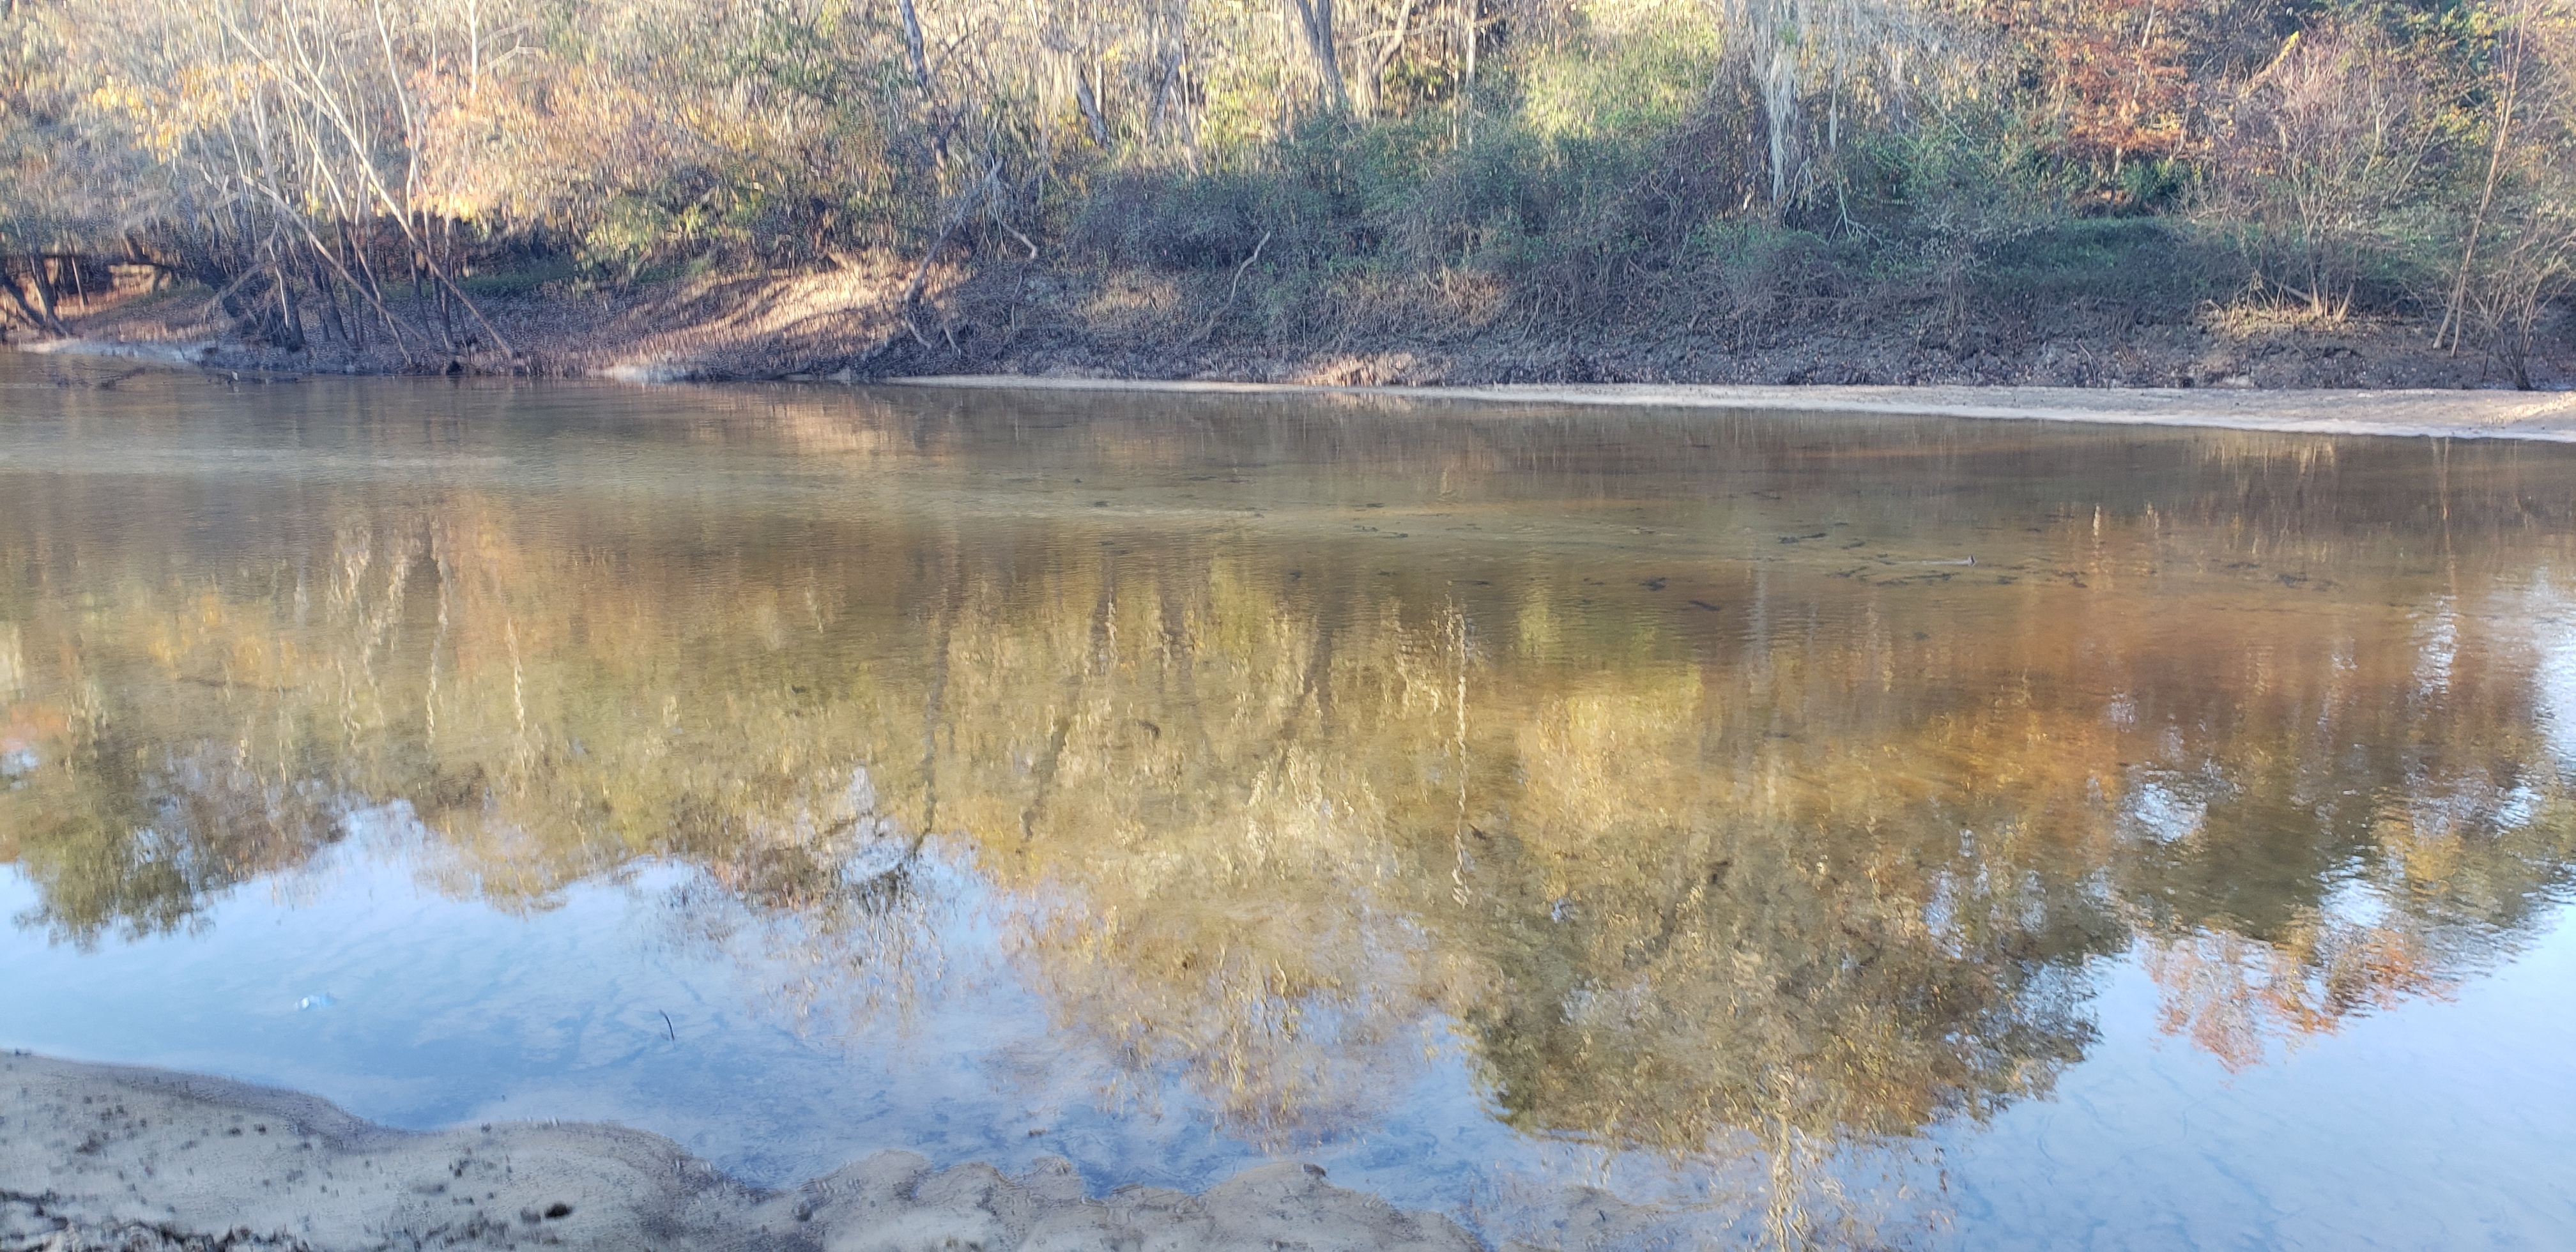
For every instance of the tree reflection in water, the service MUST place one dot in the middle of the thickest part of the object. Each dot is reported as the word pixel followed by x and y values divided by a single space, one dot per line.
pixel 1682 764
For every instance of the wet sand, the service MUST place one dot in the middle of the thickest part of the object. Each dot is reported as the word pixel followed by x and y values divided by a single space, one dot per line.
pixel 2446 414
pixel 101 1157
pixel 2420 412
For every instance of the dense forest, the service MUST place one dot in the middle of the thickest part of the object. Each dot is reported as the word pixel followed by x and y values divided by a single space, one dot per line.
pixel 360 172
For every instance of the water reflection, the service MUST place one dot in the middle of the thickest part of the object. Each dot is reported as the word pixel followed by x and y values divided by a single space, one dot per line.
pixel 1746 789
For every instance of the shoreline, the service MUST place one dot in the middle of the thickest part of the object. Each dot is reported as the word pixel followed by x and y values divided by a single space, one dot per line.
pixel 131 1158
pixel 2545 416
pixel 865 321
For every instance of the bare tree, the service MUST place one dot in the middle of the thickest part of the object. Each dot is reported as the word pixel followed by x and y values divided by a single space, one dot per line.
pixel 1794 50
pixel 1311 21
pixel 2325 144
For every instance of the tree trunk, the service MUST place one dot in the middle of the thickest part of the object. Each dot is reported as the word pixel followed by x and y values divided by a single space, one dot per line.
pixel 912 47
pixel 1373 88
pixel 44 291
pixel 80 285
pixel 35 316
pixel 1090 103
pixel 362 244
pixel 1467 82
pixel 288 315
pixel 333 323
pixel 2455 313
pixel 1313 20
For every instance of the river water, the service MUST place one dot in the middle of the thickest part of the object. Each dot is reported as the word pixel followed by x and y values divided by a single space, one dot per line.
pixel 1611 829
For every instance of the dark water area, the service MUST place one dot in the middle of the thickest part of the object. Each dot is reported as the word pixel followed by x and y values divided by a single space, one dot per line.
pixel 1795 829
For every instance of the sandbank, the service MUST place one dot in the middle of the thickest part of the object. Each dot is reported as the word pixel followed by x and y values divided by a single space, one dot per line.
pixel 2419 413
pixel 112 1157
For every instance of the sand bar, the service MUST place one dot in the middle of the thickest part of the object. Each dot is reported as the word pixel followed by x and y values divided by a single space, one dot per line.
pixel 112 1157
pixel 2545 415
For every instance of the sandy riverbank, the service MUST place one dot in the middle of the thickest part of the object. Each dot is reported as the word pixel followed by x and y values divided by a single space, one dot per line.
pixel 96 1157
pixel 2448 414
pixel 2548 416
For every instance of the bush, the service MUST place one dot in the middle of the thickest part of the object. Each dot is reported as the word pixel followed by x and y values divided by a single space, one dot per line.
pixel 2333 157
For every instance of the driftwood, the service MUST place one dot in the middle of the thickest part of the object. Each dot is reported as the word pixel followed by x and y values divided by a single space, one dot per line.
pixel 1230 290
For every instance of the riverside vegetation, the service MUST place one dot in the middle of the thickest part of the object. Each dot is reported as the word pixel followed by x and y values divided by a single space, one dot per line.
pixel 2143 192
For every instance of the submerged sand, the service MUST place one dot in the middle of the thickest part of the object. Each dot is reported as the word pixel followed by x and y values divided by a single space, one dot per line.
pixel 101 1157
pixel 2441 414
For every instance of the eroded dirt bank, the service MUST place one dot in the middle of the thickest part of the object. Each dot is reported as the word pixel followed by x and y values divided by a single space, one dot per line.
pixel 1144 324
pixel 97 1157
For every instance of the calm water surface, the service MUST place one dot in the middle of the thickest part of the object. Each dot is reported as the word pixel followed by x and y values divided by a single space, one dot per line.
pixel 1645 829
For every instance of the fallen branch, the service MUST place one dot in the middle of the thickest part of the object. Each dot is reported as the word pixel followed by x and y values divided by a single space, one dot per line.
pixel 956 218
pixel 216 305
pixel 1230 289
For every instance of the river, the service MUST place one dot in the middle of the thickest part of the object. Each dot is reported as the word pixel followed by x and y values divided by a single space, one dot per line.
pixel 1838 829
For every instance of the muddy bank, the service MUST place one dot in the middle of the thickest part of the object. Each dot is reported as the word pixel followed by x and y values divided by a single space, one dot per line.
pixel 1072 321
pixel 804 328
pixel 106 1157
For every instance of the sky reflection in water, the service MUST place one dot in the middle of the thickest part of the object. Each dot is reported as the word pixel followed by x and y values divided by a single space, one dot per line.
pixel 1915 830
